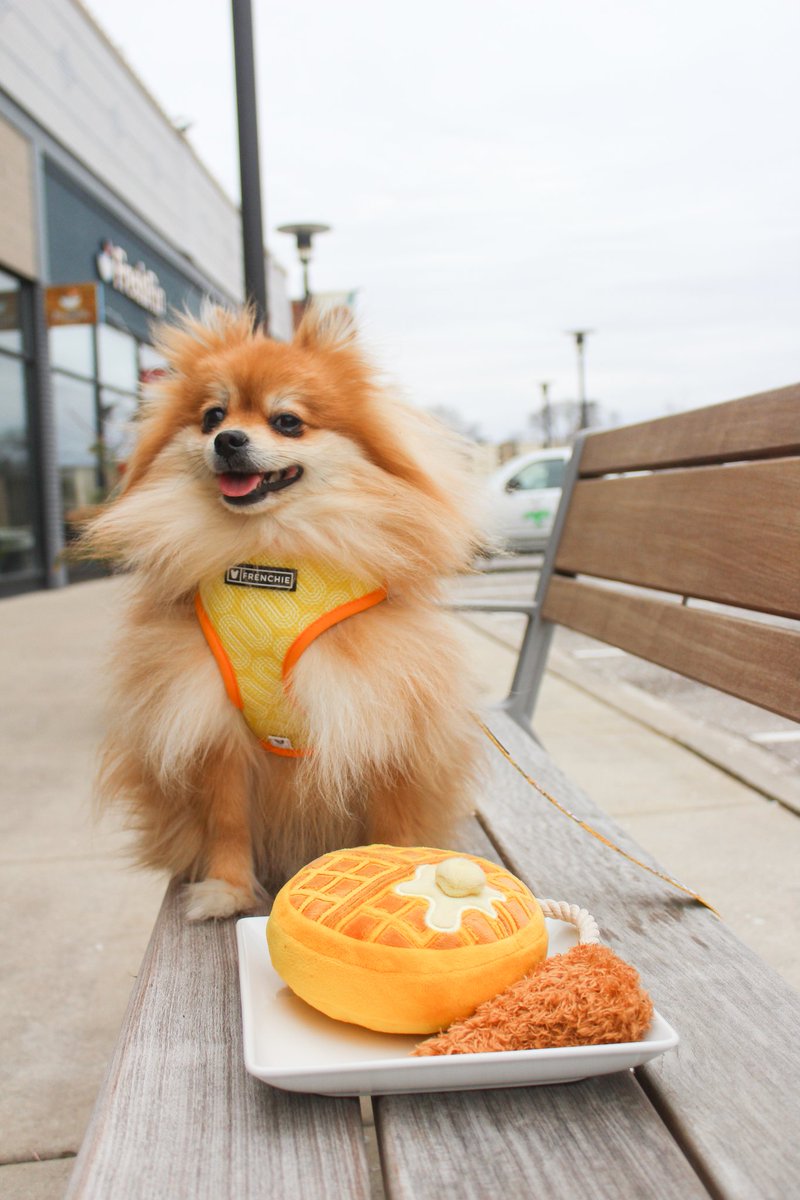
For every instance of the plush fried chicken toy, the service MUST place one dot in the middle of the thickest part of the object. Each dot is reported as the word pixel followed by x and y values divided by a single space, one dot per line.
pixel 584 997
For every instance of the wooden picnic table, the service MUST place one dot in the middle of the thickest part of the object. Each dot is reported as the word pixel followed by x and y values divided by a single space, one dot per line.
pixel 180 1117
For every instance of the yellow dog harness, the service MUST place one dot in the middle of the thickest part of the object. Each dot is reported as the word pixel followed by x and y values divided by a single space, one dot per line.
pixel 258 620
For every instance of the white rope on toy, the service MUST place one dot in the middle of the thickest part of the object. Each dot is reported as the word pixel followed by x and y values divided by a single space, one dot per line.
pixel 584 922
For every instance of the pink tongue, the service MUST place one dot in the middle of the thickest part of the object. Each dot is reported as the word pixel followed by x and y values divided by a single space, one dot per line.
pixel 237 485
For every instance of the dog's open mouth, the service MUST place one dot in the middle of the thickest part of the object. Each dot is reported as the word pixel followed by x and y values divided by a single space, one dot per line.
pixel 241 487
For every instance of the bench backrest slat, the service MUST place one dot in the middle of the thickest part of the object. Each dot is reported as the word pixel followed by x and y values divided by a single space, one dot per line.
pixel 728 533
pixel 762 426
pixel 753 660
pixel 705 507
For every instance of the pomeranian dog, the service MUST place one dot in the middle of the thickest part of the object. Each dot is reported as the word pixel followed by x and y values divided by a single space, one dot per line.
pixel 286 681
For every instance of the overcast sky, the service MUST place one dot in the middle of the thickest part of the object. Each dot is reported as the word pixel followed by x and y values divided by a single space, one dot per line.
pixel 499 172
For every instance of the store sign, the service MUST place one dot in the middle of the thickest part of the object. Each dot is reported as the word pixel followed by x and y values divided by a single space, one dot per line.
pixel 137 282
pixel 71 304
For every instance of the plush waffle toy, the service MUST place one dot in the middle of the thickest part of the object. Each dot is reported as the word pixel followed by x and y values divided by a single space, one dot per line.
pixel 419 940
pixel 403 940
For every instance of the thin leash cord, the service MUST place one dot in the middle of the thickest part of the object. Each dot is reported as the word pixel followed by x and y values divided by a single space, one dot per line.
pixel 588 828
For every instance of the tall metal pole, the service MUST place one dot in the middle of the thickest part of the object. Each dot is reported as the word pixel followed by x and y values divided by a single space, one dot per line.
pixel 580 338
pixel 547 424
pixel 255 279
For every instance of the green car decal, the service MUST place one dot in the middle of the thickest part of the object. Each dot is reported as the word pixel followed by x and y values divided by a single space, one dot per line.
pixel 539 516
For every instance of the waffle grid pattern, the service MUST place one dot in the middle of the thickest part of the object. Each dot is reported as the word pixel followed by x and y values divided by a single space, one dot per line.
pixel 352 892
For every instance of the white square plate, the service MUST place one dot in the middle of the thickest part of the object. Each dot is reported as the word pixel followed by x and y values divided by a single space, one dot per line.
pixel 292 1046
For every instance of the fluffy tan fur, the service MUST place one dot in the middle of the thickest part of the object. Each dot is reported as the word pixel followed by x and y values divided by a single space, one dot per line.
pixel 387 695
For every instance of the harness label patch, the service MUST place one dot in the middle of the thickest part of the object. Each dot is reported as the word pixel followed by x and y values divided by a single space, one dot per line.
pixel 280 743
pixel 279 579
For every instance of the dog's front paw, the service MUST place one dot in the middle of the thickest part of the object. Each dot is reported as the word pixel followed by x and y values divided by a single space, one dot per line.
pixel 215 898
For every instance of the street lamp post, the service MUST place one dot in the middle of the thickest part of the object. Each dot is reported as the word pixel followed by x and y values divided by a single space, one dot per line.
pixel 255 276
pixel 547 422
pixel 580 338
pixel 304 233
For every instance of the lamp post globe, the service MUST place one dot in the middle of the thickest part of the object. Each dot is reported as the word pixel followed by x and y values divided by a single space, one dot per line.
pixel 304 233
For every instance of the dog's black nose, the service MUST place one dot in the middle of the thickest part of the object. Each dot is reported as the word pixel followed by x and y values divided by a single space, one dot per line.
pixel 229 441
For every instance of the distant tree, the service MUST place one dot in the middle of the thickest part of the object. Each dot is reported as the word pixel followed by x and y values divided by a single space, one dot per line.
pixel 560 422
pixel 453 419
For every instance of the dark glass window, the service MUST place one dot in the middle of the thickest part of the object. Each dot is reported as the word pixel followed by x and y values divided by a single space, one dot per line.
pixel 17 537
pixel 117 354
pixel 10 314
pixel 19 553
pixel 118 410
pixel 150 360
pixel 71 349
pixel 78 446
pixel 95 397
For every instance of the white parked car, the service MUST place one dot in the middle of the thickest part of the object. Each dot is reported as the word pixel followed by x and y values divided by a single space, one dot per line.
pixel 526 491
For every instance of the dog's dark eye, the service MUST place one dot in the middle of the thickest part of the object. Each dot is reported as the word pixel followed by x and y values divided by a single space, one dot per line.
pixel 287 424
pixel 212 418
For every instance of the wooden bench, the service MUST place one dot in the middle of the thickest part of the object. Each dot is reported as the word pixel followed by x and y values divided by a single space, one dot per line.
pixel 703 506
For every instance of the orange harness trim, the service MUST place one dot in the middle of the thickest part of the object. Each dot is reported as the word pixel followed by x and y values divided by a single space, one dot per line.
pixel 218 650
pixel 326 621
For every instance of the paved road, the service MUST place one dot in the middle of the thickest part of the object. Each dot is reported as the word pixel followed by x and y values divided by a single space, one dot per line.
pixel 515 579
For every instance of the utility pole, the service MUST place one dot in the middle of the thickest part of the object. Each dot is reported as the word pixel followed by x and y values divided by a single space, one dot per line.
pixel 547 415
pixel 580 337
pixel 255 278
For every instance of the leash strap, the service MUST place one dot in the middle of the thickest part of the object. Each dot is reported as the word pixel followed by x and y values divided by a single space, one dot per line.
pixel 588 828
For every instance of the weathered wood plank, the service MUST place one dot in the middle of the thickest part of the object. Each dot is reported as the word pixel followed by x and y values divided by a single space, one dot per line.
pixel 762 426
pixel 599 1139
pixel 178 1115
pixel 726 1091
pixel 514 1142
pixel 728 534
pixel 750 659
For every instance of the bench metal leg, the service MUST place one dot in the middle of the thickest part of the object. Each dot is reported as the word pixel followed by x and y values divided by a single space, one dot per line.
pixel 521 700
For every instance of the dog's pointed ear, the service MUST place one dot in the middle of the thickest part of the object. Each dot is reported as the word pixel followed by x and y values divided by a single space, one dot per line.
pixel 189 338
pixel 330 327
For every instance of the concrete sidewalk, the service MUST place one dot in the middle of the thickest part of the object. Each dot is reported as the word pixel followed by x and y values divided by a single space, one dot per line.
pixel 721 838
pixel 77 918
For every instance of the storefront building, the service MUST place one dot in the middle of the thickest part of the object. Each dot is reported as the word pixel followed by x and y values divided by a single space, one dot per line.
pixel 92 256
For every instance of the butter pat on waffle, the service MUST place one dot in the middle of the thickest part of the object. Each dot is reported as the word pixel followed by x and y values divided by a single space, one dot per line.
pixel 403 939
